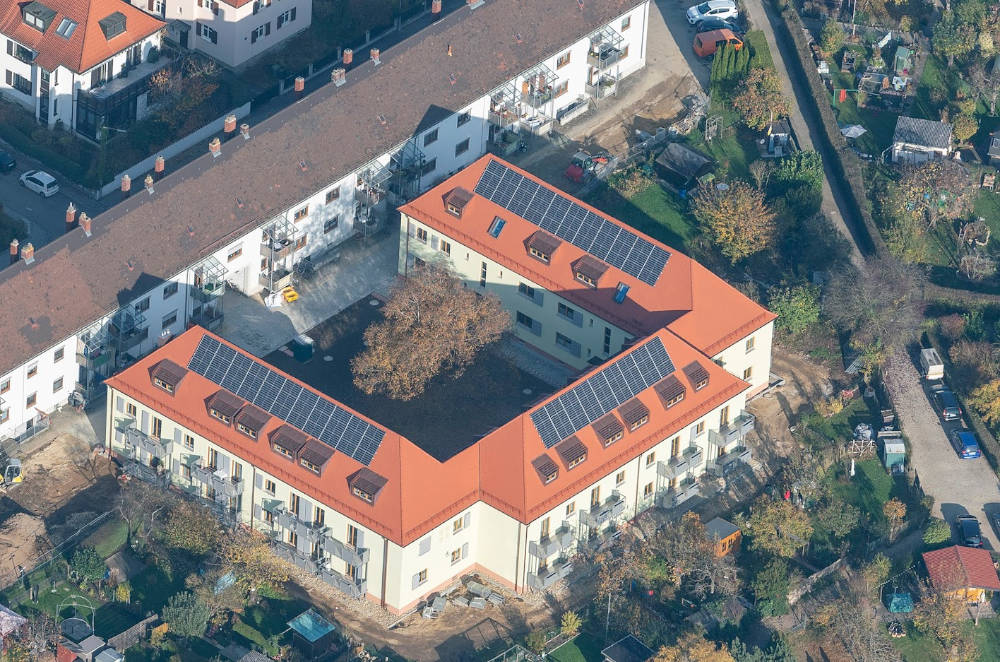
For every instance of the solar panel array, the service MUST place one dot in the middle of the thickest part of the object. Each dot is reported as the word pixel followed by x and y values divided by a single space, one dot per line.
pixel 601 393
pixel 286 400
pixel 555 213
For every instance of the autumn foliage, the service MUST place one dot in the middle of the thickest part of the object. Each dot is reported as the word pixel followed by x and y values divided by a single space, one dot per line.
pixel 432 326
pixel 737 218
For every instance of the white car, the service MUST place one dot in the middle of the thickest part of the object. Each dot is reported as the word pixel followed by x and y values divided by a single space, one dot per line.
pixel 721 9
pixel 40 182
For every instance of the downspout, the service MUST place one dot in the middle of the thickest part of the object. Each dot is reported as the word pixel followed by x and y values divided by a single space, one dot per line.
pixel 253 490
pixel 385 569
pixel 517 559
pixel 638 470
pixel 645 31
pixel 406 252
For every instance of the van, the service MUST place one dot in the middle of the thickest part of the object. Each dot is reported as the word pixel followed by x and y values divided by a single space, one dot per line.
pixel 706 43
pixel 931 364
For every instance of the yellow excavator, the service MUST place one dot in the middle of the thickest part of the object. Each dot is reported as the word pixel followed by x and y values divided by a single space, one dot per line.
pixel 13 472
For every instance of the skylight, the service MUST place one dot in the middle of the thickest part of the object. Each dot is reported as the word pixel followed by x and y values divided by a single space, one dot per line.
pixel 496 227
pixel 66 28
pixel 621 292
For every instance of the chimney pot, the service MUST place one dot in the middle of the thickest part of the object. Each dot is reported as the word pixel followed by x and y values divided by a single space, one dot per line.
pixel 28 253
pixel 215 147
pixel 435 6
pixel 85 223
pixel 14 250
pixel 70 216
pixel 149 183
pixel 230 124
pixel 159 164
pixel 338 76
pixel 245 130
pixel 300 84
pixel 126 183
pixel 375 53
pixel 347 56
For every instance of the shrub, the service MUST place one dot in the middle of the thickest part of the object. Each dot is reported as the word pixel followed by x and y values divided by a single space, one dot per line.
pixel 936 532
pixel 87 565
pixel 535 641
pixel 570 623
pixel 797 307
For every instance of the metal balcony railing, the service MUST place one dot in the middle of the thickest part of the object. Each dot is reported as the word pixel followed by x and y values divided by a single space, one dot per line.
pixel 738 428
pixel 537 99
pixel 550 575
pixel 276 249
pixel 561 538
pixel 145 473
pixel 673 468
pixel 354 555
pixel 223 485
pixel 355 588
pixel 676 496
pixel 740 454
pixel 604 57
pixel 611 509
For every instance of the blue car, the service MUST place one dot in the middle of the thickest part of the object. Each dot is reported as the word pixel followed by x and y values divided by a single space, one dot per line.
pixel 965 444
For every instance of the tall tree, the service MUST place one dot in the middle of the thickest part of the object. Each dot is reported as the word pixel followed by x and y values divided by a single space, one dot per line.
pixel 797 307
pixel 186 615
pixel 691 553
pixel 759 98
pixel 777 526
pixel 986 84
pixel 192 528
pixel 985 400
pixel 136 502
pixel 737 219
pixel 247 554
pixel 693 647
pixel 433 325
pixel 953 37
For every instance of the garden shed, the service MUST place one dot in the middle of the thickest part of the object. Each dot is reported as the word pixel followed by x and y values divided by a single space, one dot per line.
pixel 894 455
pixel 679 165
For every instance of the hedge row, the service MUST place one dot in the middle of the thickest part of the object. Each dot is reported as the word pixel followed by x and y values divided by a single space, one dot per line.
pixel 52 159
pixel 846 166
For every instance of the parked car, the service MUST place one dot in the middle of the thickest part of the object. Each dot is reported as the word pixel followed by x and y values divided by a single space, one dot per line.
pixel 7 162
pixel 724 9
pixel 965 444
pixel 947 405
pixel 709 24
pixel 40 182
pixel 707 43
pixel 968 528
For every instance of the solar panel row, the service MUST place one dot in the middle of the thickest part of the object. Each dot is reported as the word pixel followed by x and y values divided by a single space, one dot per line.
pixel 569 221
pixel 286 400
pixel 602 392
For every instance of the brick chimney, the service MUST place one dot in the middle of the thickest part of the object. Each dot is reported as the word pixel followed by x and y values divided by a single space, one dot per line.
pixel 158 166
pixel 215 147
pixel 376 56
pixel 85 223
pixel 436 7
pixel 300 86
pixel 347 56
pixel 338 76
pixel 28 253
pixel 70 217
pixel 14 243
pixel 229 125
pixel 126 185
pixel 245 130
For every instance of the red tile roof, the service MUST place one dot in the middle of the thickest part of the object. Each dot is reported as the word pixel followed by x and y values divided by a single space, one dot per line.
pixel 687 298
pixel 87 46
pixel 957 567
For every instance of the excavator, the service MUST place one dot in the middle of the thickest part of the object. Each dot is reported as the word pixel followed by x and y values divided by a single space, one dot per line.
pixel 12 470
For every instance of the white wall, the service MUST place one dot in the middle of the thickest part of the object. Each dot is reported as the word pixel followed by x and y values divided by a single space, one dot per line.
pixel 751 352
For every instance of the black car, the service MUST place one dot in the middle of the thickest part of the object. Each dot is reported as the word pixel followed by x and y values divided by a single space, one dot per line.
pixel 7 162
pixel 709 24
pixel 968 527
pixel 947 405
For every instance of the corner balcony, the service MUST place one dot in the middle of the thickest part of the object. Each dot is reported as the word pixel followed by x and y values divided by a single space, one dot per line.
pixel 537 99
pixel 738 428
pixel 356 556
pixel 686 490
pixel 550 575
pixel 221 484
pixel 611 509
pixel 561 538
pixel 355 588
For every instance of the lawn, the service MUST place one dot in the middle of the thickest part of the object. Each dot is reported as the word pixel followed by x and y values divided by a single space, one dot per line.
pixel 761 52
pixel 869 489
pixel 918 647
pixel 585 648
pixel 654 211
pixel 108 539
pixel 987 205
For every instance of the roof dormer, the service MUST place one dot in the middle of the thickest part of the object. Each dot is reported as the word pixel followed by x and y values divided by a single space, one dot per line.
pixel 251 420
pixel 314 456
pixel 671 390
pixel 112 25
pixel 37 15
pixel 223 405
pixel 572 452
pixel 167 375
pixel 366 485
pixel 456 200
pixel 588 270
pixel 287 441
pixel 697 375
pixel 634 413
pixel 608 429
pixel 541 245
pixel 546 469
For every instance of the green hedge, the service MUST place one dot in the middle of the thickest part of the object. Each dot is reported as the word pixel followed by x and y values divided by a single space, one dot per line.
pixel 52 159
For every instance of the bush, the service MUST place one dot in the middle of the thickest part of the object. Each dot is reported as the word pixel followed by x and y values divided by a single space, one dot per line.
pixel 936 532
pixel 87 565
pixel 797 307
pixel 535 641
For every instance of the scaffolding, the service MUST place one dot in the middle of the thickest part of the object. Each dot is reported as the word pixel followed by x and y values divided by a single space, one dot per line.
pixel 207 287
pixel 406 166
pixel 277 249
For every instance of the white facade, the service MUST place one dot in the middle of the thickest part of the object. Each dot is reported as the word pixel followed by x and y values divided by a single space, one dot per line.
pixel 357 198
pixel 231 32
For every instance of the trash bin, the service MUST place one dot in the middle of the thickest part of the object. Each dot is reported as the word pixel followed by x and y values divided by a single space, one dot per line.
pixel 302 348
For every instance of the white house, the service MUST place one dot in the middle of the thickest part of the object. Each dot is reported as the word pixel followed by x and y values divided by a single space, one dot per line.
pixel 917 140
pixel 84 64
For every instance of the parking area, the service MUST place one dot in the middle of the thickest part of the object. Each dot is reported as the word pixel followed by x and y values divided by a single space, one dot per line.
pixel 958 486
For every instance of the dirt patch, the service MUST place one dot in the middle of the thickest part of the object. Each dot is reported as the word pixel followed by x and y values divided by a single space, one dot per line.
pixel 22 538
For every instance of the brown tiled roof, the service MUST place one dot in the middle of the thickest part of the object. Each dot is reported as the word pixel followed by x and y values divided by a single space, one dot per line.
pixel 544 242
pixel 367 480
pixel 571 450
pixel 224 402
pixel 253 417
pixel 316 452
pixel 335 130
pixel 958 567
pixel 289 438
pixel 168 372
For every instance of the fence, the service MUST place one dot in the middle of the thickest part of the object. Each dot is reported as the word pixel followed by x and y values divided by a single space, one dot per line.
pixel 188 141
pixel 133 635
pixel 796 593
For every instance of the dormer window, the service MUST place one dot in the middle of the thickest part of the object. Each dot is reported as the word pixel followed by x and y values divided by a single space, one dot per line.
pixel 247 431
pixel 363 495
pixel 671 391
pixel 278 448
pixel 541 246
pixel 251 420
pixel 546 469
pixel 585 278
pixel 697 375
pixel 112 25
pixel 287 441
pixel 167 375
pixel 314 456
pixel 634 413
pixel 572 452
pixel 544 257
pixel 162 384
pixel 309 465
pixel 588 270
pixel 223 405
pixel 609 429
pixel 219 415
pixel 366 485
pixel 456 200
pixel 38 15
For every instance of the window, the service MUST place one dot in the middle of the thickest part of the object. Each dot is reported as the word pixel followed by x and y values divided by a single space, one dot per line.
pixel 213 459
pixel 260 32
pixel 750 343
pixel 457 525
pixel 584 278
pixel 130 410
pixel 270 487
pixel 650 459
pixel 333 194
pixel 561 89
pixel 675 446
pixel 5 385
pixel 169 290
pixel 268 515
pixel 525 321
pixel 286 16
pixel 562 60
pixel 4 415
pixel 250 432
pixel 747 374
pixel 58 355
pixel 446 247
pixel 234 254
pixel 331 224
pixel 544 529
pixel 430 137
pixel 526 290
pixel 464 117
pixel 482 275
pixel 188 442
pixel 462 147
pixel 309 465
pixel 57 385
pixel 422 235
pixel 570 508
pixel 422 577
pixel 143 305
pixel 319 516
pixel 621 292
pixel 496 227
pixel 18 82
pixel 31 400
pixel 281 450
pixel 294 503
pixel 301 213
pixel 361 494
pixel 620 478
pixel 157 430
pixel 293 539
pixel 699 428
pixel 568 344
pixel 159 383
pixel 544 257
pixel 724 416
pixel 168 320
pixel 219 415
pixel 207 33
pixel 301 242
pixel 32 371
pixel 456 556
pixel 626 23
pixel 647 491
pixel 595 497
pixel 567 312
pixel 624 53
pixel 429 167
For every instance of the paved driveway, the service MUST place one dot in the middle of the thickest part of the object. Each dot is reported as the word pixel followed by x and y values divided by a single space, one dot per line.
pixel 958 486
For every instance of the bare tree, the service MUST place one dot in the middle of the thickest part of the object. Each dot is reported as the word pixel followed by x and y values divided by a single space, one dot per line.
pixel 976 267
pixel 986 84
pixel 136 502
pixel 691 552
pixel 39 635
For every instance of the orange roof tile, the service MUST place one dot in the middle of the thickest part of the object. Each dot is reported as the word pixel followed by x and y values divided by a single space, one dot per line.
pixel 87 45
pixel 957 567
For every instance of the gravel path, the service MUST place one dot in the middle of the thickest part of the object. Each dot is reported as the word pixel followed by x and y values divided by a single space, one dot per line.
pixel 958 486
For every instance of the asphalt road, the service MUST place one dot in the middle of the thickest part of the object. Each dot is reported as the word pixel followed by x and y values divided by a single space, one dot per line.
pixel 958 486
pixel 45 217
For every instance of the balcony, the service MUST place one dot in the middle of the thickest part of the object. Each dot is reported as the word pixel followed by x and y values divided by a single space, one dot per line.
pixel 604 56
pixel 357 556
pixel 605 86
pixel 282 279
pixel 276 249
pixel 561 539
pixel 136 439
pixel 674 497
pixel 137 74
pixel 729 461
pixel 694 456
pixel 145 473
pixel 220 483
pixel 548 576
pixel 355 588
pixel 537 98
pixel 297 558
pixel 208 317
pixel 738 428
pixel 611 509
pixel 674 468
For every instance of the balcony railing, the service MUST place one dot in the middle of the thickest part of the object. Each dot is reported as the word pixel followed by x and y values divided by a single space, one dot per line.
pixel 738 428
pixel 561 538
pixel 676 496
pixel 605 87
pixel 294 556
pixel 276 249
pixel 536 99
pixel 354 555
pixel 210 318
pixel 738 455
pixel 674 468
pixel 604 57
pixel 137 439
pixel 355 588
pixel 222 485
pixel 611 509
pixel 550 575
pixel 694 455
pixel 145 473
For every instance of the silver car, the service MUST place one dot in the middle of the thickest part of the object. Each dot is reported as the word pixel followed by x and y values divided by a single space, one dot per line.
pixel 40 182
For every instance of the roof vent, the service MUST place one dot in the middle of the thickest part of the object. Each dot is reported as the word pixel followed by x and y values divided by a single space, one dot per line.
pixel 14 250
pixel 126 184
pixel 435 7
pixel 70 217
pixel 338 76
pixel 85 223
pixel 149 184
pixel 456 200
pixel 299 86
pixel 245 130
pixel 28 253
pixel 159 164
pixel 229 125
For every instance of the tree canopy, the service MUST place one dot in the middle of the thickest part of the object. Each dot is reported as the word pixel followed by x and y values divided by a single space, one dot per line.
pixel 777 526
pixel 186 615
pixel 737 219
pixel 192 528
pixel 759 99
pixel 797 307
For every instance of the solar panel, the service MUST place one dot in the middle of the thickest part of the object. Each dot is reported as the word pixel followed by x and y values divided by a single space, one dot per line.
pixel 566 219
pixel 602 392
pixel 286 400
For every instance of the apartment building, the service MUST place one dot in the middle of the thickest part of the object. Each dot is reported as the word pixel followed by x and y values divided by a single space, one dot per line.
pixel 323 170
pixel 85 65
pixel 231 31
pixel 375 515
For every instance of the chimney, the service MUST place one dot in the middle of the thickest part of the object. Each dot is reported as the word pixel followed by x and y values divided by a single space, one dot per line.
pixel 14 250
pixel 300 86
pixel 338 76
pixel 436 7
pixel 215 147
pixel 85 223
pixel 70 217
pixel 28 253
pixel 375 57
pixel 449 50
pixel 347 56
pixel 229 126
pixel 245 130
pixel 158 165
pixel 126 185
pixel 149 183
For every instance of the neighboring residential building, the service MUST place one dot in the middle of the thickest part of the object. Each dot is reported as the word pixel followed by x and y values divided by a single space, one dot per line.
pixel 91 302
pixel 725 535
pixel 917 141
pixel 993 151
pixel 231 31
pixel 372 512
pixel 967 573
pixel 85 64
pixel 627 649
